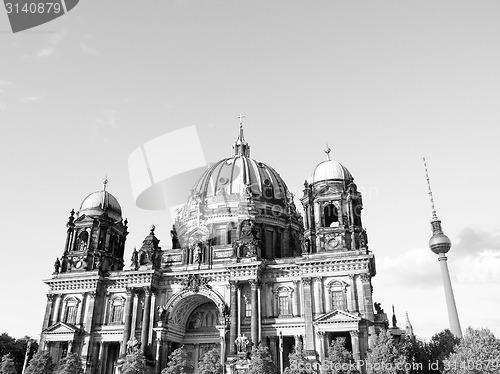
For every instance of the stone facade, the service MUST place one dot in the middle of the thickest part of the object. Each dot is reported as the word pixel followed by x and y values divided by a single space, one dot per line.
pixel 243 268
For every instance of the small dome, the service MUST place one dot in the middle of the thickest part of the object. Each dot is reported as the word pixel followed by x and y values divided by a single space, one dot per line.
pixel 101 202
pixel 330 170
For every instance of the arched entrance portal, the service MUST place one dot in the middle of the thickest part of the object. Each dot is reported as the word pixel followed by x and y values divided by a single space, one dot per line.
pixel 195 322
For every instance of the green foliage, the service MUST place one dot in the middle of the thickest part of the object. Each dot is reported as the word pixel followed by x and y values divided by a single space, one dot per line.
pixel 135 363
pixel 299 364
pixel 339 360
pixel 16 349
pixel 7 366
pixel 477 353
pixel 440 347
pixel 210 363
pixel 385 357
pixel 71 364
pixel 178 363
pixel 41 363
pixel 261 361
pixel 416 352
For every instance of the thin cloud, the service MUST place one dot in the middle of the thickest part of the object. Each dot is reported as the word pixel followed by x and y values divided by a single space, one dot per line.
pixel 3 105
pixel 54 40
pixel 474 241
pixel 88 49
pixel 108 119
pixel 30 99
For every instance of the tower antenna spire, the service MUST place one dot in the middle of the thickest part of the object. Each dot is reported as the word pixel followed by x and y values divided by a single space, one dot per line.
pixel 433 207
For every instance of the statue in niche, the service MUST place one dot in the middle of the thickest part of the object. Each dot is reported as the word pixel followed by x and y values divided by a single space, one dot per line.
pixel 133 345
pixel 57 266
pixel 378 308
pixel 162 312
pixel 175 239
pixel 242 343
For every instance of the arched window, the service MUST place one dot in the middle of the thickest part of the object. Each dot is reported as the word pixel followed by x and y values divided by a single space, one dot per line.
pixel 338 295
pixel 331 215
pixel 283 297
pixel 116 311
pixel 83 239
pixel 70 310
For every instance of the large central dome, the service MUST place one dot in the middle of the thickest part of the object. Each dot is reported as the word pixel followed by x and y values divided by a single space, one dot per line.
pixel 237 189
pixel 235 176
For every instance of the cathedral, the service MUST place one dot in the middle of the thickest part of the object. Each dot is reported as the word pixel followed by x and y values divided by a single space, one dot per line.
pixel 243 268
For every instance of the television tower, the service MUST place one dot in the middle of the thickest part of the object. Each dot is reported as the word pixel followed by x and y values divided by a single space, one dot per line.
pixel 439 243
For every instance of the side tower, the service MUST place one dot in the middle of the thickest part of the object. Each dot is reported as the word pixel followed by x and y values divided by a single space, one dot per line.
pixel 335 252
pixel 440 244
pixel 82 294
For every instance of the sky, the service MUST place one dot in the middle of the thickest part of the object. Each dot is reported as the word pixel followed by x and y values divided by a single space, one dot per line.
pixel 383 82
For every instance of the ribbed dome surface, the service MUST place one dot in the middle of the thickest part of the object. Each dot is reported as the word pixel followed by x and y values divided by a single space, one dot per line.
pixel 232 175
pixel 99 202
pixel 330 170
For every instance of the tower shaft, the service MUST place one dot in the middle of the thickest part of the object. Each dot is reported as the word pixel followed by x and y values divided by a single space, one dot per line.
pixel 450 299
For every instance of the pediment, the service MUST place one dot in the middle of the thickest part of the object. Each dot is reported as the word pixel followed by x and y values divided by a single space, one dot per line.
pixel 327 190
pixel 338 316
pixel 61 328
pixel 84 218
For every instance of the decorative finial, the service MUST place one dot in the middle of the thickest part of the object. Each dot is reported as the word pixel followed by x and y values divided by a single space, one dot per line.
pixel 327 151
pixel 241 147
pixel 152 229
pixel 434 214
pixel 240 117
pixel 105 182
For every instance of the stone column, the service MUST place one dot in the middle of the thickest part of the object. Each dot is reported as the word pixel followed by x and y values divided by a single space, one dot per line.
pixel 318 295
pixel 56 308
pixel 100 365
pixel 272 349
pixel 259 308
pixel 158 353
pixel 238 297
pixel 255 318
pixel 280 348
pixel 48 311
pixel 269 300
pixel 222 349
pixel 146 319
pixel 135 308
pixel 308 315
pixel 128 322
pixel 354 307
pixel 355 345
pixel 367 296
pixel 70 346
pixel 196 356
pixel 88 351
pixel 321 345
pixel 152 315
pixel 81 318
pixel 234 316
pixel 295 299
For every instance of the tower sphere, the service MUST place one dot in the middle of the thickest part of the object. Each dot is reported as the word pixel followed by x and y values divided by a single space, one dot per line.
pixel 439 243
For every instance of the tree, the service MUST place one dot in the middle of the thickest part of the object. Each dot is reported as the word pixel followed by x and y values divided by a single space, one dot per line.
pixel 135 363
pixel 178 363
pixel 299 364
pixel 71 364
pixel 261 361
pixel 339 360
pixel 16 349
pixel 440 347
pixel 416 352
pixel 385 357
pixel 478 352
pixel 210 363
pixel 41 363
pixel 7 366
